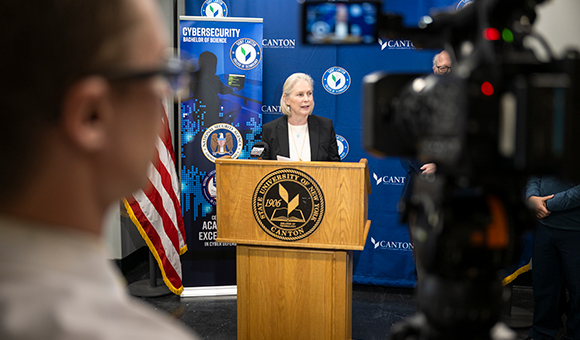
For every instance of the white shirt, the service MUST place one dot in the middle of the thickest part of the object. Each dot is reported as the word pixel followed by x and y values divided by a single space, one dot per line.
pixel 57 283
pixel 299 142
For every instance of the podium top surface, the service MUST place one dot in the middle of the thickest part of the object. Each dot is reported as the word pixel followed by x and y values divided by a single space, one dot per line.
pixel 363 163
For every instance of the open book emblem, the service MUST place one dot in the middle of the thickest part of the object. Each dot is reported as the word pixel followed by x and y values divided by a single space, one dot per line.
pixel 288 204
pixel 288 213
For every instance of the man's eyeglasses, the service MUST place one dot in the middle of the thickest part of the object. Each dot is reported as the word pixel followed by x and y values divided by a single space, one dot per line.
pixel 176 73
pixel 443 69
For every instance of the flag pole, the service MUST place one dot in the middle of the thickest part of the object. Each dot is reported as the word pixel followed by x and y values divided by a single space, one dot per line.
pixel 152 287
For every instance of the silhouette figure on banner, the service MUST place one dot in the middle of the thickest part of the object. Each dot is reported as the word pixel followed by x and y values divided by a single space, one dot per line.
pixel 206 85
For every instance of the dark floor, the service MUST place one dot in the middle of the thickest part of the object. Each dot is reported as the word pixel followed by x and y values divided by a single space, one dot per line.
pixel 374 310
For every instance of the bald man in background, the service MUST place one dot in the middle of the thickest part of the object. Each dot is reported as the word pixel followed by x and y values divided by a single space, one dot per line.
pixel 441 66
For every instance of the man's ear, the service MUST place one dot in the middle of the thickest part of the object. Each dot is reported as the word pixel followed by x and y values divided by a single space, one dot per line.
pixel 86 111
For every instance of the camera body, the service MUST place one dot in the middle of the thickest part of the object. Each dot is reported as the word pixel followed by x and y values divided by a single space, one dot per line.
pixel 501 118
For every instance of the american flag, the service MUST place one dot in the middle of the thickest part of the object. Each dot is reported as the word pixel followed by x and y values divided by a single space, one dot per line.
pixel 156 211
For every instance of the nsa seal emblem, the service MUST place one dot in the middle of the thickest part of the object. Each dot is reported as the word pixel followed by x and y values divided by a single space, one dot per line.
pixel 214 9
pixel 245 54
pixel 336 80
pixel 208 187
pixel 288 204
pixel 221 140
pixel 342 146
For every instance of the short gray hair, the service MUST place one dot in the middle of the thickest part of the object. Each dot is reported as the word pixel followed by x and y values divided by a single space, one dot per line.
pixel 435 59
pixel 289 87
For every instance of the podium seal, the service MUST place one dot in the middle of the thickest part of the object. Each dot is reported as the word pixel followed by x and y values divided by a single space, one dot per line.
pixel 288 204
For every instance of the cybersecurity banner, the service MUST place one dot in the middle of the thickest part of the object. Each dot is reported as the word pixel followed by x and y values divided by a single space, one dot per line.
pixel 221 116
pixel 337 72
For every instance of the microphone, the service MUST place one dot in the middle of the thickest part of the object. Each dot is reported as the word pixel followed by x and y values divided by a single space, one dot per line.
pixel 259 149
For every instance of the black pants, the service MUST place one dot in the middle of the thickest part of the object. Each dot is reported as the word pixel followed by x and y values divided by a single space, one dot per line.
pixel 556 261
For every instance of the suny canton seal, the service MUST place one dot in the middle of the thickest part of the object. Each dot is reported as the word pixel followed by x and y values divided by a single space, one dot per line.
pixel 288 204
pixel 221 140
pixel 208 187
pixel 342 146
pixel 214 9
pixel 245 54
pixel 336 80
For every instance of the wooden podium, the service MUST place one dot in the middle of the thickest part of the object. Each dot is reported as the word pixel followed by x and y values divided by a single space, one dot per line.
pixel 295 225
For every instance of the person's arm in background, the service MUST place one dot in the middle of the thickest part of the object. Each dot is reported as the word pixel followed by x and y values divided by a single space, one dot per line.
pixel 410 165
pixel 221 87
pixel 428 168
pixel 564 200
pixel 535 201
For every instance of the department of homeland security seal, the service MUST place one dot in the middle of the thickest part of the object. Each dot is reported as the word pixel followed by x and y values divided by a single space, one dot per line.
pixel 288 204
pixel 208 187
pixel 214 9
pixel 342 146
pixel 336 80
pixel 221 140
pixel 245 54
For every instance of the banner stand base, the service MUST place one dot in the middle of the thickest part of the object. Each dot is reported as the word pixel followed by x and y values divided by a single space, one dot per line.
pixel 209 291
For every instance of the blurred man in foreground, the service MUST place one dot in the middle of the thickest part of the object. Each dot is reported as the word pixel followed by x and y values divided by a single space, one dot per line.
pixel 82 84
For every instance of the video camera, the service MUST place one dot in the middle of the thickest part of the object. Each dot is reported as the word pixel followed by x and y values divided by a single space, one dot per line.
pixel 499 116
pixel 500 106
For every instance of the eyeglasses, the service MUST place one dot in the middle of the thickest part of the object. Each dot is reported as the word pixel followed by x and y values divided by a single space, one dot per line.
pixel 443 69
pixel 175 72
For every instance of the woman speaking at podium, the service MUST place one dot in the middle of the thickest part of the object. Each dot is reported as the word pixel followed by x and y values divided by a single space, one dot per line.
pixel 300 135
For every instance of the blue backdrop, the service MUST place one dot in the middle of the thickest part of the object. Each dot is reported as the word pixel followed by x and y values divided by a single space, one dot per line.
pixel 387 258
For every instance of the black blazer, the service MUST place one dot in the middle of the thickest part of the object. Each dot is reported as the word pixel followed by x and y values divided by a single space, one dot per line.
pixel 323 145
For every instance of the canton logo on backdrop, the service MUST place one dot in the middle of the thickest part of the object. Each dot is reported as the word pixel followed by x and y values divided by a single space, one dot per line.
pixel 396 44
pixel 208 187
pixel 279 43
pixel 389 180
pixel 245 54
pixel 392 245
pixel 342 146
pixel 221 140
pixel 336 80
pixel 271 109
pixel 214 9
